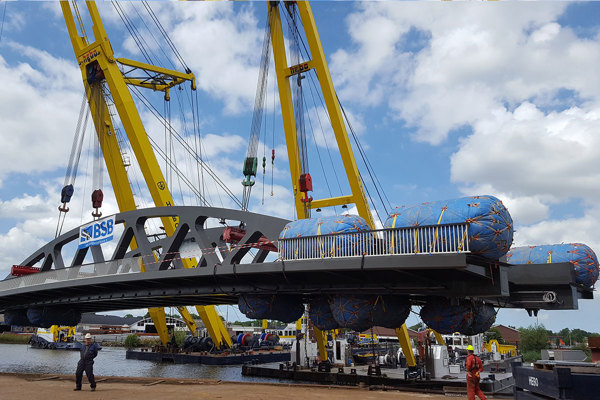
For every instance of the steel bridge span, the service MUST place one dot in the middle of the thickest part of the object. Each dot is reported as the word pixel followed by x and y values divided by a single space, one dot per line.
pixel 257 262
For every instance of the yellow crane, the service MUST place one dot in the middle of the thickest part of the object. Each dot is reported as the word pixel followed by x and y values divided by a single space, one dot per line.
pixel 303 202
pixel 98 64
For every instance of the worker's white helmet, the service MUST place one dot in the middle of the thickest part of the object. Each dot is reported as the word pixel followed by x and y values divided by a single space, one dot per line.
pixel 88 336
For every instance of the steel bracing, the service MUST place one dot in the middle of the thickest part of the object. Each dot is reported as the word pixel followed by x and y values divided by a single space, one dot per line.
pixel 224 271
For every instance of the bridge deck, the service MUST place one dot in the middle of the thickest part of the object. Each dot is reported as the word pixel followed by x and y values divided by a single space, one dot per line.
pixel 419 276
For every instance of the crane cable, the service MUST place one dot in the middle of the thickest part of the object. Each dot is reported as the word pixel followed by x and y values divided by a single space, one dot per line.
pixel 251 161
pixel 186 146
pixel 368 165
pixel 72 167
pixel 166 36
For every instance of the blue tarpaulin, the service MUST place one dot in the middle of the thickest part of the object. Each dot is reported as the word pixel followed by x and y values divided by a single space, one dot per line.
pixel 284 308
pixel 484 317
pixel 583 259
pixel 468 318
pixel 360 312
pixel 345 244
pixel 490 231
pixel 445 318
pixel 319 310
pixel 45 317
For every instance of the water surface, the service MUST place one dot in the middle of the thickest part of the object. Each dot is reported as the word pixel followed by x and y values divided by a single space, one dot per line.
pixel 110 362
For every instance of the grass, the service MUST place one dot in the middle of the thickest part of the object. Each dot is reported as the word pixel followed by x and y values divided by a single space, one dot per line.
pixel 13 338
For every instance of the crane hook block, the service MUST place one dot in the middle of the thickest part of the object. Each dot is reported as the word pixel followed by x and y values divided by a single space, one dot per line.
pixel 250 165
pixel 97 197
pixel 305 183
pixel 66 193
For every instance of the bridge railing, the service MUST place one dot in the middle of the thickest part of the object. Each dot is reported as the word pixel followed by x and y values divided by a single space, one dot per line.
pixel 430 239
pixel 123 266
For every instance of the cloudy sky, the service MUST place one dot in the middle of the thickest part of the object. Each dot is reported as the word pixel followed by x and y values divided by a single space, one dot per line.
pixel 447 99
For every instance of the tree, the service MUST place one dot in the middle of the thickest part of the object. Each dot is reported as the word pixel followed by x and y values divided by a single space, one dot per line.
pixel 128 315
pixel 132 341
pixel 579 335
pixel 494 334
pixel 416 327
pixel 534 338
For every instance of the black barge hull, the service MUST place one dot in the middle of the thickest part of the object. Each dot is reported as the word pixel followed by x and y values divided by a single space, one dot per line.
pixel 209 359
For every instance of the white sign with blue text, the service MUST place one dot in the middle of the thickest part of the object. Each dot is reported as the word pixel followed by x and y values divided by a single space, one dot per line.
pixel 96 232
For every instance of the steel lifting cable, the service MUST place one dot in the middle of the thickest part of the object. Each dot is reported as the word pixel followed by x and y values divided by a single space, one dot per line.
pixel 314 89
pixel 197 143
pixel 319 155
pixel 298 98
pixel 80 21
pixel 132 31
pixel 186 146
pixel 366 161
pixel 165 35
pixel 160 47
pixel 361 150
pixel 74 157
pixel 251 161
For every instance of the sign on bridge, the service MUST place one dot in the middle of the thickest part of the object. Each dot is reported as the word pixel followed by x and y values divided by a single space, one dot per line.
pixel 97 232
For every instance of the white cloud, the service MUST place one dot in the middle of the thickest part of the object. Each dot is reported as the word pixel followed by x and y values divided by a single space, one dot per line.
pixel 40 102
pixel 222 46
pixel 529 153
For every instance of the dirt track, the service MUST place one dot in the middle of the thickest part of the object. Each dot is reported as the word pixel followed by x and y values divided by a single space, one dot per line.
pixel 23 386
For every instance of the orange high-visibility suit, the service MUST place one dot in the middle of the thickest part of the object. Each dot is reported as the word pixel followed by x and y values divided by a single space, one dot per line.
pixel 474 366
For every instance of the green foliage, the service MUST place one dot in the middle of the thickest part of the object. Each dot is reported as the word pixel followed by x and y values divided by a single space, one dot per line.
pixel 416 327
pixel 585 349
pixel 180 337
pixel 128 315
pixel 13 338
pixel 253 322
pixel 534 338
pixel 149 342
pixel 531 355
pixel 575 336
pixel 494 334
pixel 132 341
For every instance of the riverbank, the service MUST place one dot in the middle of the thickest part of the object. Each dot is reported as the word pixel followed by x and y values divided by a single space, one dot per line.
pixel 14 338
pixel 28 386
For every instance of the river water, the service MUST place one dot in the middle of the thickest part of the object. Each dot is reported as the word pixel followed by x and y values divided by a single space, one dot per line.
pixel 110 362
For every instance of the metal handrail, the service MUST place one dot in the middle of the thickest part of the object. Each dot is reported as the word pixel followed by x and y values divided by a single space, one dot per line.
pixel 429 239
pixel 122 266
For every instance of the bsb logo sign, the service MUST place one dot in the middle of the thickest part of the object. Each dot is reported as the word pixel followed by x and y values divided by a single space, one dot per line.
pixel 97 232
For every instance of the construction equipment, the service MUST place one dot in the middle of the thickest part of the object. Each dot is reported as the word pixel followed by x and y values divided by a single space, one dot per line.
pixel 101 70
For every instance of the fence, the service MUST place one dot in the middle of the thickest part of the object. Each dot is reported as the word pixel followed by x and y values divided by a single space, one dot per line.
pixel 430 239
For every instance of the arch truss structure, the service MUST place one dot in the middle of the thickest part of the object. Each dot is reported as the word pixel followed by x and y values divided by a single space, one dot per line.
pixel 237 252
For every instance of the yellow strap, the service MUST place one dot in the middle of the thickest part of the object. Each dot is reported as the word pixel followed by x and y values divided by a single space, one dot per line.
pixel 435 236
pixel 392 241
pixel 320 241
pixel 416 241
pixel 462 242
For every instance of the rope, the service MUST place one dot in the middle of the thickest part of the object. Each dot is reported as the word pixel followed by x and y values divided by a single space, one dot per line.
pixel 165 35
pixel 132 31
pixel 186 147
pixel 259 106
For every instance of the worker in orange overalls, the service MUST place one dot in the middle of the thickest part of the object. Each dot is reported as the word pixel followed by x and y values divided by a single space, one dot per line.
pixel 474 366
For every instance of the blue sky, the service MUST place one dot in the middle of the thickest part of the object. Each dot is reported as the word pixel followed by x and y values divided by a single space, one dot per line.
pixel 448 99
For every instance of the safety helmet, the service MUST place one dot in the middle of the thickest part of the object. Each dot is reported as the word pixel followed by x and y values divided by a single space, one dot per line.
pixel 88 336
pixel 470 348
